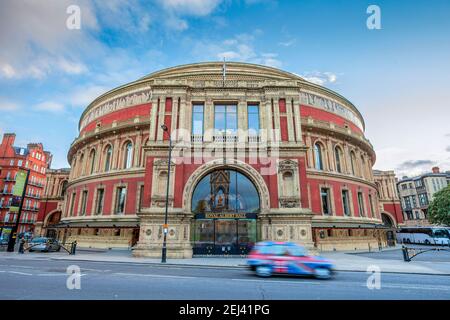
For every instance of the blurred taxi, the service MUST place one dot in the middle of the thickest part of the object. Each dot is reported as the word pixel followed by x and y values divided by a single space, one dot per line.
pixel 267 258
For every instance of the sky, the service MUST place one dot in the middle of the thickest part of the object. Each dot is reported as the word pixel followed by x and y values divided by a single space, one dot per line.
pixel 398 76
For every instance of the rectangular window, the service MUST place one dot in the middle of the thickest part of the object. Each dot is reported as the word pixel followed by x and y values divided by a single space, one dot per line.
pixel 361 204
pixel 197 120
pixel 253 119
pixel 325 196
pixel 11 163
pixel 120 200
pixel 99 201
pixel 83 202
pixel 225 119
pixel 72 203
pixel 141 196
pixel 19 163
pixel 346 202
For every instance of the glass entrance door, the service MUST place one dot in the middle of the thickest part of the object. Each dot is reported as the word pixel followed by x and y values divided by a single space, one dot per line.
pixel 224 236
pixel 246 235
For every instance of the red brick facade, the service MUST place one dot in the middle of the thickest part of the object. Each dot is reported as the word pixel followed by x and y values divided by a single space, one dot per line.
pixel 12 159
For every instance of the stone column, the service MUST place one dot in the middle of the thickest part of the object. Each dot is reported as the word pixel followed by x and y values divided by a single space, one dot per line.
pixel 276 114
pixel 161 114
pixel 208 120
pixel 242 120
pixel 154 112
pixel 116 154
pixel 290 120
pixel 137 149
pixel 268 116
pixel 297 120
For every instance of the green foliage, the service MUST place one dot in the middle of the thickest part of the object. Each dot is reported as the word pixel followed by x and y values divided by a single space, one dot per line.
pixel 439 209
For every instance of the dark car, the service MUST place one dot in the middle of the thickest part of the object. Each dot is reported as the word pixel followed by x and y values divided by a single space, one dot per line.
pixel 269 257
pixel 44 244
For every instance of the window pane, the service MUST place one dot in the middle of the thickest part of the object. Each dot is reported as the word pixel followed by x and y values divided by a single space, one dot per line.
pixel 197 125
pixel 253 119
pixel 231 123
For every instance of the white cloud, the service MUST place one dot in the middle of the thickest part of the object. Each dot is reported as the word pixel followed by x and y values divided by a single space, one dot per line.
pixel 320 78
pixel 6 105
pixel 238 48
pixel 49 106
pixel 33 35
pixel 288 43
pixel 82 96
pixel 190 7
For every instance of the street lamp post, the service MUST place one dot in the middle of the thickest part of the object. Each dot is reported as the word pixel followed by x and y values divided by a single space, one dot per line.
pixel 165 227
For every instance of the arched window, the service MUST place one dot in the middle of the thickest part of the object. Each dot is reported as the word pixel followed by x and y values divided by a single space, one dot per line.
pixel 318 155
pixel 353 162
pixel 108 158
pixel 338 158
pixel 225 191
pixel 128 158
pixel 92 162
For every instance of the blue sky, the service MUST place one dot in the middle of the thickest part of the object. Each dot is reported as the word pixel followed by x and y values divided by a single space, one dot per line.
pixel 397 76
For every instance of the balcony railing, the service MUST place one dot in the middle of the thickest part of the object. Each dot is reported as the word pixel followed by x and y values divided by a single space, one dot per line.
pixel 254 139
pixel 197 138
pixel 225 138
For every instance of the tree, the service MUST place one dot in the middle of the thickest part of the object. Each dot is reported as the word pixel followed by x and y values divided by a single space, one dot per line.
pixel 439 209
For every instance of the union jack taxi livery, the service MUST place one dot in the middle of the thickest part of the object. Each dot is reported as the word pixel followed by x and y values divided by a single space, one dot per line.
pixel 269 257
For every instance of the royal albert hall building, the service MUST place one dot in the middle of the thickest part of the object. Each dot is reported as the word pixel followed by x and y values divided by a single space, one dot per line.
pixel 257 154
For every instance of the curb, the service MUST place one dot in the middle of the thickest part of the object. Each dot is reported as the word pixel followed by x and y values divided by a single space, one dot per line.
pixel 236 267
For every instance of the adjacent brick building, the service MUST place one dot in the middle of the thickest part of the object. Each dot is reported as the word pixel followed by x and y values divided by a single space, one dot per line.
pixel 416 194
pixel 13 158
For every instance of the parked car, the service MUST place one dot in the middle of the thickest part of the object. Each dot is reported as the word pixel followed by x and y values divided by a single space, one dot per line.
pixel 267 258
pixel 44 244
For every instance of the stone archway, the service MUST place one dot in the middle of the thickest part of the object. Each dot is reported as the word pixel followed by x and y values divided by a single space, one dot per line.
pixel 389 225
pixel 240 166
pixel 51 219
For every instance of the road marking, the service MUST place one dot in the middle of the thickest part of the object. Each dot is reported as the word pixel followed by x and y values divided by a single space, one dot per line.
pixel 153 275
pixel 21 273
pixel 400 286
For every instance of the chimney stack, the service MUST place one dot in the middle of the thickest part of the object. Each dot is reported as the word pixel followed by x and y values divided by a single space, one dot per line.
pixel 435 169
pixel 8 139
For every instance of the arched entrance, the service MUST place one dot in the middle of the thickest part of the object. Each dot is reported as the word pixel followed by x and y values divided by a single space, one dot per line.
pixel 225 204
pixel 52 219
pixel 389 224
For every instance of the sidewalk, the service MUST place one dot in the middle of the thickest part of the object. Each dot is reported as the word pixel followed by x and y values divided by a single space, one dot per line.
pixel 344 261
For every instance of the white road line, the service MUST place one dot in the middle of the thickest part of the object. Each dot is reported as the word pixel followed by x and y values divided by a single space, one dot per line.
pixel 21 273
pixel 153 275
pixel 442 288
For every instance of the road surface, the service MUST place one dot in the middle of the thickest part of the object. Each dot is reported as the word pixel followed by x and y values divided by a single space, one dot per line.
pixel 47 279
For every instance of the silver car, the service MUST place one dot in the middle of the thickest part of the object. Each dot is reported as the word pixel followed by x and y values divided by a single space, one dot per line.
pixel 44 244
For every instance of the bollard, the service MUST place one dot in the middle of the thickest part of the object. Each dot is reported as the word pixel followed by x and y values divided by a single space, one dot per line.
pixel 405 254
pixel 21 245
pixel 74 247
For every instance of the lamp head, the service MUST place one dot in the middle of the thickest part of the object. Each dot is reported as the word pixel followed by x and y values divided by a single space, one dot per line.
pixel 164 127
